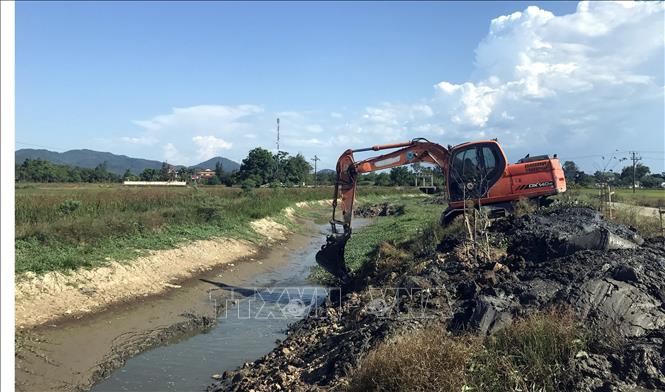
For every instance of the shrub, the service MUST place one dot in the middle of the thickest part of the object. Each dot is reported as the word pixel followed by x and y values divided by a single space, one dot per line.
pixel 427 360
pixel 68 206
pixel 208 214
pixel 248 187
pixel 534 353
pixel 524 207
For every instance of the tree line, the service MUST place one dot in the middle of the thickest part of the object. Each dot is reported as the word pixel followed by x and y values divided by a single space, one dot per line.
pixel 263 168
pixel 643 176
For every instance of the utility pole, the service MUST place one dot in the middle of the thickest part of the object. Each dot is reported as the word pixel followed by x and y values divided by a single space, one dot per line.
pixel 277 171
pixel 635 159
pixel 316 178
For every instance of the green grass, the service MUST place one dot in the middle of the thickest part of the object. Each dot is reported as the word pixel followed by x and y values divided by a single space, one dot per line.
pixel 641 197
pixel 65 227
pixel 419 216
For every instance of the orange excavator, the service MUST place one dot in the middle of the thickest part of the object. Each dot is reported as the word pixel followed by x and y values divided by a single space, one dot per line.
pixel 476 172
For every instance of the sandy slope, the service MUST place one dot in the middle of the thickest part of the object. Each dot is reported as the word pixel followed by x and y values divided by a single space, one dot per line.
pixel 41 299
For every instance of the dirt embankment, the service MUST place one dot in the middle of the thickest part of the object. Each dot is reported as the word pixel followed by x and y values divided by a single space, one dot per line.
pixel 42 299
pixel 563 259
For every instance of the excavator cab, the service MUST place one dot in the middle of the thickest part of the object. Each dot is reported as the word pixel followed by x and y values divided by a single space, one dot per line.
pixel 474 169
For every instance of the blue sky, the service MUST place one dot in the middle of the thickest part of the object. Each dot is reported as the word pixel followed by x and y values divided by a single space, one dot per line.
pixel 183 81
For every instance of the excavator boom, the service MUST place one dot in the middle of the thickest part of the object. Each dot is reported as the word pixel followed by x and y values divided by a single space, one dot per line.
pixel 331 255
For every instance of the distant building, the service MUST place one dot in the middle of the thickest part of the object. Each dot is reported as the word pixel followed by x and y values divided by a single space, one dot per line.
pixel 204 174
pixel 173 171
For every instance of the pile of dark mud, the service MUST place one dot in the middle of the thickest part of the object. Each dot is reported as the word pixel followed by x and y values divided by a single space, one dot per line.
pixel 619 294
pixel 381 209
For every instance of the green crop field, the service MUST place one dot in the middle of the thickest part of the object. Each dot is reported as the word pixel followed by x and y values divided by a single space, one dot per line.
pixel 641 197
pixel 64 227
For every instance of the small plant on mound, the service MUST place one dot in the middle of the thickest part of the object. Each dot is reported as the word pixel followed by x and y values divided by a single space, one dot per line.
pixel 427 360
pixel 535 353
pixel 524 207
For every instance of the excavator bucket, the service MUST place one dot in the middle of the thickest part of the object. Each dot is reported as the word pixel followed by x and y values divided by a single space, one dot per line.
pixel 331 256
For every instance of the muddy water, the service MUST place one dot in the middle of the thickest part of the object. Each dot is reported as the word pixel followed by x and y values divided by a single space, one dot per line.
pixel 253 302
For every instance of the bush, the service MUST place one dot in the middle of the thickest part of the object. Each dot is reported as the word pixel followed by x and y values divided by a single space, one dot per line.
pixel 248 184
pixel 207 213
pixel 534 353
pixel 68 206
pixel 427 360
pixel 524 207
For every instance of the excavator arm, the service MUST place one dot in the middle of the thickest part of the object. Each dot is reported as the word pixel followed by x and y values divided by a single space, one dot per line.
pixel 331 255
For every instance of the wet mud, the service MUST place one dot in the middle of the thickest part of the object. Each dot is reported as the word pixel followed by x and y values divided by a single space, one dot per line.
pixel 537 263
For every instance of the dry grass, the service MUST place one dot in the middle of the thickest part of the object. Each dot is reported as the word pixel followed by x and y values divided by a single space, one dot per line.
pixel 524 207
pixel 427 360
pixel 647 226
pixel 533 354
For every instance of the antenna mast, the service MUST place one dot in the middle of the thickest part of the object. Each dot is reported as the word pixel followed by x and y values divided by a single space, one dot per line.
pixel 277 171
pixel 316 177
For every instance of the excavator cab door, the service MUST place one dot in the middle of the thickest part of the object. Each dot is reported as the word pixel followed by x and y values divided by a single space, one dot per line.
pixel 474 169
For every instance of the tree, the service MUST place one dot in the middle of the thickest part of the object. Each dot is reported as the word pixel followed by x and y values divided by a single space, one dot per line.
pixel 651 181
pixel 627 173
pixel 38 170
pixel 127 174
pixel 259 166
pixel 149 175
pixel 296 170
pixel 401 176
pixel 605 177
pixel 164 172
pixel 219 170
pixel 382 179
pixel 570 170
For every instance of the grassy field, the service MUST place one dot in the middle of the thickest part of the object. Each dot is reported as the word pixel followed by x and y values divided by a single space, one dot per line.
pixel 64 227
pixel 641 197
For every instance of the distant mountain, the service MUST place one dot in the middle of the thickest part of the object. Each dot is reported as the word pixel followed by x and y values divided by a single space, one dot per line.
pixel 114 163
pixel 327 171
pixel 227 164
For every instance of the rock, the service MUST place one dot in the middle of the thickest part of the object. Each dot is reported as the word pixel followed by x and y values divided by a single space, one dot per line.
pixel 491 314
pixel 616 304
pixel 625 273
pixel 216 376
pixel 286 351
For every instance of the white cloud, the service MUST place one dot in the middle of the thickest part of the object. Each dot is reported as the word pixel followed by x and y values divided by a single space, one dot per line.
pixel 208 118
pixel 142 141
pixel 210 146
pixel 556 82
pixel 171 153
